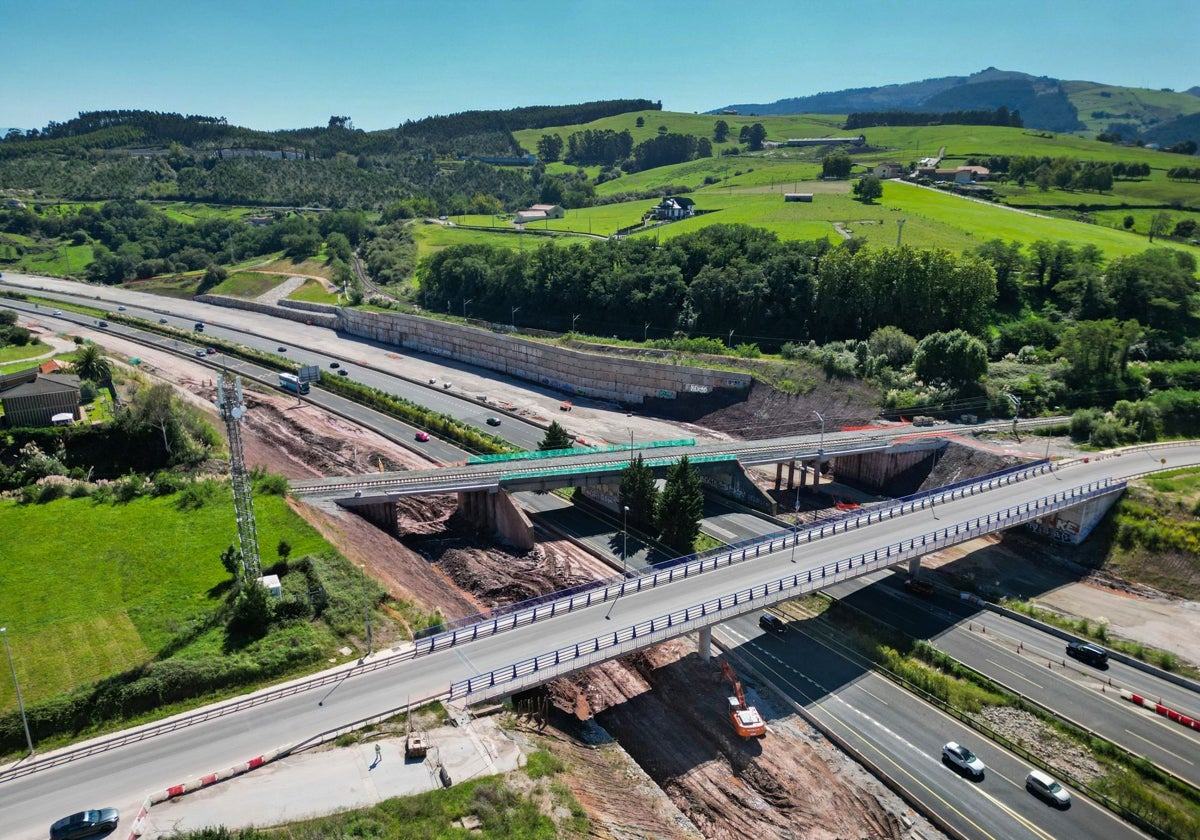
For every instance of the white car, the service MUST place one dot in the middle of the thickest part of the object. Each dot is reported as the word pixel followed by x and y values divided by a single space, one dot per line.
pixel 962 759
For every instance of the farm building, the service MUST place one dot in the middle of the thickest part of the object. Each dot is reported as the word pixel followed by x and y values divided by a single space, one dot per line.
pixel 887 170
pixel 539 213
pixel 673 208
pixel 797 196
pixel 36 402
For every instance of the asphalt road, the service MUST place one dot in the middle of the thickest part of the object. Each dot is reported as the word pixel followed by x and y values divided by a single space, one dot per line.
pixel 1034 663
pixel 904 737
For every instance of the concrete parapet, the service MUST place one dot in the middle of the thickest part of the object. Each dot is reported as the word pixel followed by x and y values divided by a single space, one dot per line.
pixel 291 310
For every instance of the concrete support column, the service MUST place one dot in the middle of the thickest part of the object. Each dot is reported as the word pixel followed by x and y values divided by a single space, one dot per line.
pixel 914 567
pixel 778 475
pixel 704 643
pixel 816 474
pixel 791 474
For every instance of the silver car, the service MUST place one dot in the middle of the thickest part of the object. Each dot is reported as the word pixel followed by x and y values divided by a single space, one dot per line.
pixel 1042 786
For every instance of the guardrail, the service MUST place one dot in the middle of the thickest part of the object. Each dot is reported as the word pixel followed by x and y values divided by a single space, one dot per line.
pixel 154 729
pixel 583 595
pixel 555 663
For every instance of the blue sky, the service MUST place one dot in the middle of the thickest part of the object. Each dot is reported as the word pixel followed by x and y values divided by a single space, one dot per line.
pixel 271 64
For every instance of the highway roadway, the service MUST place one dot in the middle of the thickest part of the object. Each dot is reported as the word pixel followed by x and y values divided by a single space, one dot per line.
pixel 1033 663
pixel 903 736
pixel 124 774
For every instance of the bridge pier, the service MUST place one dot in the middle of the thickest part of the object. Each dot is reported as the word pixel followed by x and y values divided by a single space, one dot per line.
pixel 704 644
pixel 914 567
pixel 495 510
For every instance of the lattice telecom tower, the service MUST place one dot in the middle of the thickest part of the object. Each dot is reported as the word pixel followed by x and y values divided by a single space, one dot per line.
pixel 231 406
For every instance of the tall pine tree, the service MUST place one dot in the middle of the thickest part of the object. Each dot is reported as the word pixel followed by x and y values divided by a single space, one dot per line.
pixel 681 507
pixel 640 494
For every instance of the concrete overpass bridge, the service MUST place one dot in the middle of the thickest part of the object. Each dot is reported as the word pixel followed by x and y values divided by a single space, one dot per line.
pixel 483 484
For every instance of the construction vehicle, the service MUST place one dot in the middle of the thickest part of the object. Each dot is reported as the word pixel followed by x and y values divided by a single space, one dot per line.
pixel 746 719
pixel 414 743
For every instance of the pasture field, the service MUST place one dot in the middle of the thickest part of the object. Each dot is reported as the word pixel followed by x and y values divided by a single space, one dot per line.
pixel 701 125
pixel 1142 105
pixel 16 358
pixel 98 588
pixel 190 212
pixel 933 219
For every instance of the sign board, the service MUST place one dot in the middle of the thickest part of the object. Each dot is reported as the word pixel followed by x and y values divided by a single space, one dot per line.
pixel 309 373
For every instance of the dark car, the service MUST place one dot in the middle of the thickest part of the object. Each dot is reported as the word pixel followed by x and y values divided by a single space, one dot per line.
pixel 918 587
pixel 493 421
pixel 85 824
pixel 120 308
pixel 772 623
pixel 1087 652
pixel 281 349
pixel 162 320
pixel 343 372
pixel 334 365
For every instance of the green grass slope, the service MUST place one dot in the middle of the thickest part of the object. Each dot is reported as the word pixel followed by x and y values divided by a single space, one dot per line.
pixel 93 589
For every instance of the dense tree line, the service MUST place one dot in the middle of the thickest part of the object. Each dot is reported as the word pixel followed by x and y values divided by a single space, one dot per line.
pixel 1001 116
pixel 1184 173
pixel 667 149
pixel 722 278
pixel 438 129
pixel 602 147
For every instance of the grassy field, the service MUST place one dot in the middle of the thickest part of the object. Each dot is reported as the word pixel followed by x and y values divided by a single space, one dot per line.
pixel 314 291
pixel 933 219
pixel 16 358
pixel 247 284
pixel 120 583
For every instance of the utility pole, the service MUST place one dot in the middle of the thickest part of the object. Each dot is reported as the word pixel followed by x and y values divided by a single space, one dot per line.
pixel 465 302
pixel 362 568
pixel 17 685
pixel 513 318
pixel 899 230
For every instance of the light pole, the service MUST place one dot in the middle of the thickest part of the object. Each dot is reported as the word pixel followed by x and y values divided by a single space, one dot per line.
pixel 820 450
pixel 513 317
pixel 465 302
pixel 574 318
pixel 625 538
pixel 729 341
pixel 366 612
pixel 646 332
pixel 796 513
pixel 17 685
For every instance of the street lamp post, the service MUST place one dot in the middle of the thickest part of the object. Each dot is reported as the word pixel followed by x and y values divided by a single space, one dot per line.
pixel 796 513
pixel 465 302
pixel 17 685
pixel 574 318
pixel 625 538
pixel 513 317
pixel 820 447
pixel 366 612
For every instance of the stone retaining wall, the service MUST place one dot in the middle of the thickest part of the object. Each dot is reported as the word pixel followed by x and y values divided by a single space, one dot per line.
pixel 572 371
pixel 561 368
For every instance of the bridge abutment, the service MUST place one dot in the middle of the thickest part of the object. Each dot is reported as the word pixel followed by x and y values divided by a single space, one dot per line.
pixel 1073 524
pixel 876 470
pixel 732 481
pixel 382 515
pixel 496 511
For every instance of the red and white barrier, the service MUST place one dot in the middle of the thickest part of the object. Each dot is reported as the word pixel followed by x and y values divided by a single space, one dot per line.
pixel 1159 708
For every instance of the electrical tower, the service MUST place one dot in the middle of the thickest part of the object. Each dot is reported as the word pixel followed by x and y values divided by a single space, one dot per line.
pixel 231 406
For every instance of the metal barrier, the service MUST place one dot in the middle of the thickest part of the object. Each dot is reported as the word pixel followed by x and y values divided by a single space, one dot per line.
pixel 545 606
pixel 538 669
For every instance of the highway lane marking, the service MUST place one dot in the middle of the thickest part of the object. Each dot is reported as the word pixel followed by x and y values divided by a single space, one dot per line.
pixel 760 654
pixel 1158 746
pixel 876 696
pixel 721 531
pixel 1015 674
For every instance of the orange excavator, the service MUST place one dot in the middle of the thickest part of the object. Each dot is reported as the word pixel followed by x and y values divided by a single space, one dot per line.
pixel 746 719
